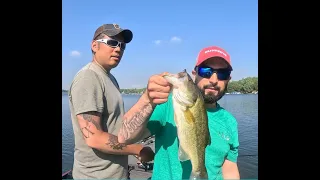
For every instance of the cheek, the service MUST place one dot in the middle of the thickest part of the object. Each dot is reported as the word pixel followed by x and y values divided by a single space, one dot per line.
pixel 105 51
pixel 121 53
pixel 222 85
pixel 201 82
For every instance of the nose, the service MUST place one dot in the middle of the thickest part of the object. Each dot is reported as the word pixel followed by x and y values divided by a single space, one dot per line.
pixel 117 49
pixel 213 79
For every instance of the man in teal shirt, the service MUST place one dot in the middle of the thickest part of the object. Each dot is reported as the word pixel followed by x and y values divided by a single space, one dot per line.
pixel 212 75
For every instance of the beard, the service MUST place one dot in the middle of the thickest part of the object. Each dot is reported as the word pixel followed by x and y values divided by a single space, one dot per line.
pixel 211 98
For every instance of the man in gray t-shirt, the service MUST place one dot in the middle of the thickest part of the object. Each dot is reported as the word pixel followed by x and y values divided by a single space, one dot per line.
pixel 97 110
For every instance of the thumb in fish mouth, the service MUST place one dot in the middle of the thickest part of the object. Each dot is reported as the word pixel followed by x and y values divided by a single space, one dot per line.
pixel 171 78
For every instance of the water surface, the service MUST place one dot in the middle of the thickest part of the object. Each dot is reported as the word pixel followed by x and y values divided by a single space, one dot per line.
pixel 243 107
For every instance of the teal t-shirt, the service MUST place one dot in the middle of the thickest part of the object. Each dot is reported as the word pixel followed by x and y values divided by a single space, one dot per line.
pixel 223 130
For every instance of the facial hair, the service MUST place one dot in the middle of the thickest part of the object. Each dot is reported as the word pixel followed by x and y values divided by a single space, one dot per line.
pixel 210 98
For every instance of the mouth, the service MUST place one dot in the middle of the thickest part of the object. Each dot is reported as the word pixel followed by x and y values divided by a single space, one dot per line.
pixel 212 88
pixel 115 57
pixel 169 75
pixel 171 78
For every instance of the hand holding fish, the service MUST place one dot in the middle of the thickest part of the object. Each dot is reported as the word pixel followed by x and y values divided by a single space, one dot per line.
pixel 158 89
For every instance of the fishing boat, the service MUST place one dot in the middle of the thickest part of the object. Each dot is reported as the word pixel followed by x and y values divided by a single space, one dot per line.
pixel 67 175
pixel 145 166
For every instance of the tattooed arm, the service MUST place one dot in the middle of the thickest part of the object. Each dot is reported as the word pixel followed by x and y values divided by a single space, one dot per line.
pixel 95 138
pixel 136 119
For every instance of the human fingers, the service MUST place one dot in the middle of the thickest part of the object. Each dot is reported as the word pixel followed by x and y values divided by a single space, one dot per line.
pixel 154 87
pixel 158 79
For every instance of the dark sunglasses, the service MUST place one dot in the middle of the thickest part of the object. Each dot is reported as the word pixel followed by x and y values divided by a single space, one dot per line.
pixel 207 72
pixel 113 43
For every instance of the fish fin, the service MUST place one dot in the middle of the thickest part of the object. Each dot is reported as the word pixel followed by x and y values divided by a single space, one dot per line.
pixel 189 116
pixel 183 156
pixel 197 176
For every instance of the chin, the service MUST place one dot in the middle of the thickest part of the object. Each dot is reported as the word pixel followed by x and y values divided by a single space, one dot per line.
pixel 214 94
pixel 114 64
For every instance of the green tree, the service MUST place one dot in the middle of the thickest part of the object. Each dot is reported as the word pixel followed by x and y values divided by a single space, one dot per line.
pixel 245 85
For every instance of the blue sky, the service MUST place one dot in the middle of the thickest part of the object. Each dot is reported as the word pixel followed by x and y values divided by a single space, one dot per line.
pixel 167 35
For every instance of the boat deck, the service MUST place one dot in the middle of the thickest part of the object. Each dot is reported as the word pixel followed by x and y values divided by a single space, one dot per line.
pixel 138 173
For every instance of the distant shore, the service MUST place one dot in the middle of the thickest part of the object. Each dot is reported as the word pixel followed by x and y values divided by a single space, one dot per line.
pixel 248 85
pixel 139 93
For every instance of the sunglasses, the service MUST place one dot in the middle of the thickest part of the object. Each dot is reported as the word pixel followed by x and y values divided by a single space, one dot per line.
pixel 207 72
pixel 113 43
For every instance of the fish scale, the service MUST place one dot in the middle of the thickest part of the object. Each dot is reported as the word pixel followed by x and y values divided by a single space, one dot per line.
pixel 191 120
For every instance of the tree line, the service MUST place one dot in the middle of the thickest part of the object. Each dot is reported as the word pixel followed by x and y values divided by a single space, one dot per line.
pixel 244 86
pixel 133 91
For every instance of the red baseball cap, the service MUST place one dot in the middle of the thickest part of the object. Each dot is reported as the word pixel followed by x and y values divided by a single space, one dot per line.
pixel 213 51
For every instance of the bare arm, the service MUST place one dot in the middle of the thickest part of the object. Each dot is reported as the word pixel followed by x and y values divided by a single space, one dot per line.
pixel 135 121
pixel 230 170
pixel 95 138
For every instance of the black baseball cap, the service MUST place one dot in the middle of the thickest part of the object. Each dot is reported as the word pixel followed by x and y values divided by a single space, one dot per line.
pixel 113 30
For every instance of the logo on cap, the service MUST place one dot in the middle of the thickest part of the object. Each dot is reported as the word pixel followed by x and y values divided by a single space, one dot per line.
pixel 116 26
pixel 215 50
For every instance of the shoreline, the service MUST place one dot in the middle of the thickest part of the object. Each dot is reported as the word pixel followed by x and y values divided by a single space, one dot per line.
pixel 233 93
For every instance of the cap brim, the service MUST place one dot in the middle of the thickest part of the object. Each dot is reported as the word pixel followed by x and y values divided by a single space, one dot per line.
pixel 126 34
pixel 199 63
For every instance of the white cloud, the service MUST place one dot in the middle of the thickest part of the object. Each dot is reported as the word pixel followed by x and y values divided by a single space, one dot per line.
pixel 157 42
pixel 175 39
pixel 75 54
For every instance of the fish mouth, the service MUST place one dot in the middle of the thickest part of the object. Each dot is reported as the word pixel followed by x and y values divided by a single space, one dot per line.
pixel 175 79
pixel 171 78
pixel 169 75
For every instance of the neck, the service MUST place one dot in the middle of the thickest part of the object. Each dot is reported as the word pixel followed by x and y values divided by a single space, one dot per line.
pixel 107 69
pixel 211 106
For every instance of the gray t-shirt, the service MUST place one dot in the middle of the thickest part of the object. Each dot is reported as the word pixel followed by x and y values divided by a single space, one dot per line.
pixel 93 89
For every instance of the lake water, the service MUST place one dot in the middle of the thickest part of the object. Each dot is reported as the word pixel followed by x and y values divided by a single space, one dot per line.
pixel 243 107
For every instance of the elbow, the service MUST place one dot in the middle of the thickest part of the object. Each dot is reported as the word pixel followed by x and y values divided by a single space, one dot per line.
pixel 123 140
pixel 231 175
pixel 92 143
pixel 126 141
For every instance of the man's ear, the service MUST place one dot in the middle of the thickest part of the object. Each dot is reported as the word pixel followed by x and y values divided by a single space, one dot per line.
pixel 193 75
pixel 94 46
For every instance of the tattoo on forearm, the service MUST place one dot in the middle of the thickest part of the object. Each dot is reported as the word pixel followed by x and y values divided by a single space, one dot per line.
pixel 134 122
pixel 114 144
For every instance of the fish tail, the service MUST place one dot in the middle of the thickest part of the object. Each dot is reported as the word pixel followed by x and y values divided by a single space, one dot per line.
pixel 198 176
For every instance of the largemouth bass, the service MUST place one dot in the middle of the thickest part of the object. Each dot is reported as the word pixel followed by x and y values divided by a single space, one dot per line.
pixel 191 120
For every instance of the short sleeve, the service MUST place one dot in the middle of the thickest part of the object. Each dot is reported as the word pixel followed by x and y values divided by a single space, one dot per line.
pixel 234 144
pixel 157 119
pixel 86 93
